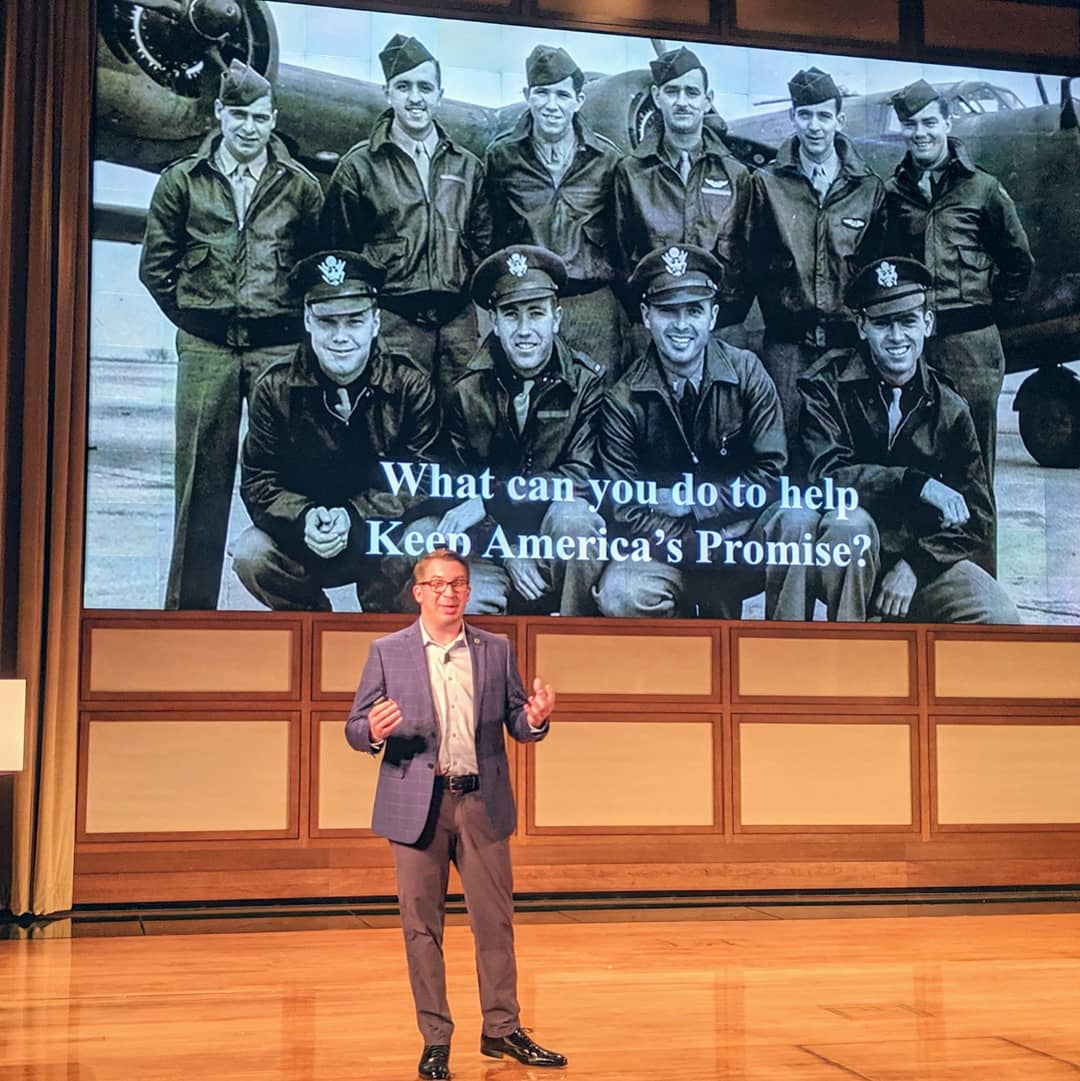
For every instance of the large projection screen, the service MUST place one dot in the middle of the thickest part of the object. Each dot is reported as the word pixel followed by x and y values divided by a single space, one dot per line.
pixel 584 505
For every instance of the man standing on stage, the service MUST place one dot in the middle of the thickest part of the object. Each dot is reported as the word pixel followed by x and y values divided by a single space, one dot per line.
pixel 962 224
pixel 527 409
pixel 549 181
pixel 683 185
pixel 224 229
pixel 817 214
pixel 879 420
pixel 320 425
pixel 693 404
pixel 411 201
pixel 437 698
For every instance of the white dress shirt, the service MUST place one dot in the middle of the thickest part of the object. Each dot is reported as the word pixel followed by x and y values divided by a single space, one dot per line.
pixel 450 672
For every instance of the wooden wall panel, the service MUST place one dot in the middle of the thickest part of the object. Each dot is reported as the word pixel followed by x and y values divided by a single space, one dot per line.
pixel 819 665
pixel 857 20
pixel 1001 26
pixel 691 13
pixel 823 773
pixel 215 775
pixel 624 773
pixel 346 781
pixel 342 655
pixel 1008 774
pixel 994 669
pixel 193 661
pixel 646 663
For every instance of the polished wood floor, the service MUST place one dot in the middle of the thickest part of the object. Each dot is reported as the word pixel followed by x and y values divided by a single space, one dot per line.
pixel 695 996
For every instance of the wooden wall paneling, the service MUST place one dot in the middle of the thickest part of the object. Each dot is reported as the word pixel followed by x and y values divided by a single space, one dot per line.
pixel 332 725
pixel 854 21
pixel 654 647
pixel 986 667
pixel 633 15
pixel 1060 767
pixel 1001 26
pixel 202 719
pixel 192 645
pixel 829 721
pixel 872 659
pixel 666 767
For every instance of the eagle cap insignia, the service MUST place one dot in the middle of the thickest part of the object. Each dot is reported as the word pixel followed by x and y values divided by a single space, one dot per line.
pixel 675 262
pixel 518 265
pixel 332 270
pixel 886 275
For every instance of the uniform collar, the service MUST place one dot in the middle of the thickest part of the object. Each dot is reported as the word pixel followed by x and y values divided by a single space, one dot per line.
pixel 649 373
pixel 521 132
pixel 712 142
pixel 408 144
pixel 958 160
pixel 228 164
pixel 851 161
pixel 381 133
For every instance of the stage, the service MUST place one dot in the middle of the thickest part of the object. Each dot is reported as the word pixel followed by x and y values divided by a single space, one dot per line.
pixel 928 991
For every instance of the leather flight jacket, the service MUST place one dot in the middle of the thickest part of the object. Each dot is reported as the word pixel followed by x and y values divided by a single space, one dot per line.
pixel 214 279
pixel 428 246
pixel 968 234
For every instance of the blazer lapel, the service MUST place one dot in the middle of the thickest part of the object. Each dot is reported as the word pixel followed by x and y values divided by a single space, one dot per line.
pixel 478 655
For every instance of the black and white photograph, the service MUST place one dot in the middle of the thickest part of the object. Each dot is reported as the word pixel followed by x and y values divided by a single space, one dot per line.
pixel 638 327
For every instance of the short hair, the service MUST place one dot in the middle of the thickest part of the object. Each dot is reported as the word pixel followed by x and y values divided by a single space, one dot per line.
pixel 447 555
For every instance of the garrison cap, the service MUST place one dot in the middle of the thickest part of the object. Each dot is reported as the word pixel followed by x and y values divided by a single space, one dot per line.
pixel 913 99
pixel 673 63
pixel 888 286
pixel 402 54
pixel 332 275
pixel 811 86
pixel 547 64
pixel 241 85
pixel 677 275
pixel 520 272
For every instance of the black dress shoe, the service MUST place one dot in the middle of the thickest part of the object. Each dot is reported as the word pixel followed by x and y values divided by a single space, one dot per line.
pixel 435 1062
pixel 517 1045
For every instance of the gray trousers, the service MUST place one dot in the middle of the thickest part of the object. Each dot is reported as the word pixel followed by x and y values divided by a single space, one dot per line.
pixel 459 831
pixel 595 323
pixel 212 383
pixel 975 364
pixel 713 590
pixel 285 583
pixel 441 352
pixel 963 593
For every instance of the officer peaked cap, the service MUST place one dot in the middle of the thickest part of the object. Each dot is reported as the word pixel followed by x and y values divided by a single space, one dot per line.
pixel 402 54
pixel 913 99
pixel 331 275
pixel 678 274
pixel 888 286
pixel 547 64
pixel 675 62
pixel 241 85
pixel 520 272
pixel 811 86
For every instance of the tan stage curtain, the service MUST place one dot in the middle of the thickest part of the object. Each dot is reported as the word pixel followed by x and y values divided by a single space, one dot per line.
pixel 44 290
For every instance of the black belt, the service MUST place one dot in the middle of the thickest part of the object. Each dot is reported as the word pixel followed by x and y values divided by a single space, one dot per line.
pixel 467 782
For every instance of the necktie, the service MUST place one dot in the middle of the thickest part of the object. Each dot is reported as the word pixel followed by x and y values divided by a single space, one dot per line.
pixel 894 415
pixel 423 167
pixel 688 406
pixel 242 184
pixel 684 165
pixel 343 407
pixel 521 403
pixel 926 185
pixel 819 181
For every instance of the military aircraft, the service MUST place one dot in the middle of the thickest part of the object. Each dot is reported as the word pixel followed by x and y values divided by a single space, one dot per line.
pixel 157 74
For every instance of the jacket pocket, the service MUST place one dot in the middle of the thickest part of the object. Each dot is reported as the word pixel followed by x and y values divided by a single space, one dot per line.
pixel 196 283
pixel 386 254
pixel 973 267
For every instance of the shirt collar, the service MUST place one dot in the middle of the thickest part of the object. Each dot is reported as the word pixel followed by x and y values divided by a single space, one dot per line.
pixel 228 164
pixel 459 640
pixel 408 143
pixel 671 154
pixel 831 164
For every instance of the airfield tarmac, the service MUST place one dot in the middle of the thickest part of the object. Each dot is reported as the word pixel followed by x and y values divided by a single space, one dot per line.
pixel 130 504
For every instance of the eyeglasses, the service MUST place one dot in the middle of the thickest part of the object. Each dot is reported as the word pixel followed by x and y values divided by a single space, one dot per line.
pixel 440 585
